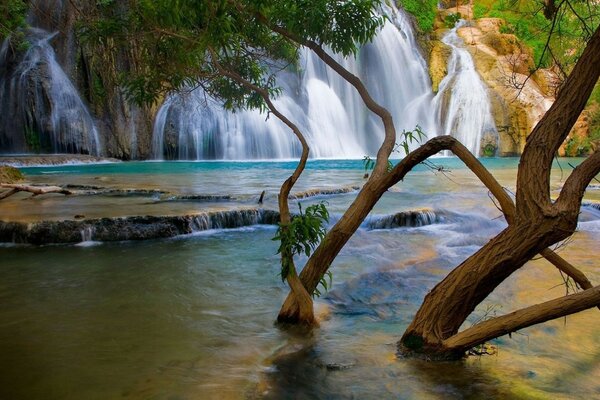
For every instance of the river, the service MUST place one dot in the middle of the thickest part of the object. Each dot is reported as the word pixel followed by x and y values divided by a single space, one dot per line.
pixel 192 317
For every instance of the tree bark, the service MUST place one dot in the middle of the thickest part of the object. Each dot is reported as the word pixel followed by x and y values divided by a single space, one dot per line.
pixel 450 302
pixel 537 224
pixel 523 318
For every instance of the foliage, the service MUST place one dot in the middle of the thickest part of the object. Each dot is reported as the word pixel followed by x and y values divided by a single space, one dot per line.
pixel 32 138
pixel 10 174
pixel 13 19
pixel 525 19
pixel 183 44
pixel 325 283
pixel 414 136
pixel 423 11
pixel 302 235
pixel 489 150
pixel 451 19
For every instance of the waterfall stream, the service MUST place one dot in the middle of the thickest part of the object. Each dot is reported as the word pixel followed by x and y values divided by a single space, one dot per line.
pixel 46 112
pixel 48 115
pixel 324 106
pixel 462 102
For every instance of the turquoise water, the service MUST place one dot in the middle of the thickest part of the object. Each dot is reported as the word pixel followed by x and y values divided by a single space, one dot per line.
pixel 192 317
pixel 184 167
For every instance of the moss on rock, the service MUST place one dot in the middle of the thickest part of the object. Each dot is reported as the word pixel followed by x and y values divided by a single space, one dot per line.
pixel 438 63
pixel 10 174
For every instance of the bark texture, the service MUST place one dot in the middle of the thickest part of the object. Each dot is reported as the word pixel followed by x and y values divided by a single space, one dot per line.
pixel 534 223
pixel 537 224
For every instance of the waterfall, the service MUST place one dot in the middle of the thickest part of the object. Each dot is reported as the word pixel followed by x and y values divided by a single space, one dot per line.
pixel 462 102
pixel 48 115
pixel 46 112
pixel 324 106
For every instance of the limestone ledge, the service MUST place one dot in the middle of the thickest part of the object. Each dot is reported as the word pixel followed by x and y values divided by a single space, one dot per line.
pixel 131 228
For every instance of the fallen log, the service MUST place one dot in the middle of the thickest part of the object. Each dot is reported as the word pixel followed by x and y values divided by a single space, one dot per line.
pixel 34 190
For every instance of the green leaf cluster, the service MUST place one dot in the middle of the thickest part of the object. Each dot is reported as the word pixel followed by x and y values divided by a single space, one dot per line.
pixel 414 136
pixel 525 19
pixel 13 20
pixel 423 11
pixel 302 235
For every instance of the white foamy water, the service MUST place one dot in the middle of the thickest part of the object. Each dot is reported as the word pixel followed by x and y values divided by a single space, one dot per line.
pixel 462 102
pixel 328 109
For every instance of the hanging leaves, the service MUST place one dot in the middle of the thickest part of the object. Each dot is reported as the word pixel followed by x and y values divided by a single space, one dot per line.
pixel 302 235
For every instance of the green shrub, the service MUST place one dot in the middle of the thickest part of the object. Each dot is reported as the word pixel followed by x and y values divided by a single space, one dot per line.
pixel 423 11
pixel 451 19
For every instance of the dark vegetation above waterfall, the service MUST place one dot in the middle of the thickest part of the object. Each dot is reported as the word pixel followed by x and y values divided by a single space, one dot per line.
pixel 223 47
pixel 13 17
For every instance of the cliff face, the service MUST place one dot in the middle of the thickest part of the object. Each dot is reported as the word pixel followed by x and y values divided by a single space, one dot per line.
pixel 122 130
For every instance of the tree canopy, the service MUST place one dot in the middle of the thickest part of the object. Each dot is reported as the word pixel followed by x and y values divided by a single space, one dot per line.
pixel 182 44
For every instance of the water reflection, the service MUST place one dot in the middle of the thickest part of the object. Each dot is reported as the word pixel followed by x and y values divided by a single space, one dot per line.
pixel 193 317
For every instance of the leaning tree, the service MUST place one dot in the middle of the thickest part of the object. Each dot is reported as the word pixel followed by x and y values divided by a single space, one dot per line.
pixel 229 47
pixel 535 222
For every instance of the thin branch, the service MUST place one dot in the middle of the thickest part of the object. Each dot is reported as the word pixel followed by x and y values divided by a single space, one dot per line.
pixel 576 184
pixel 301 294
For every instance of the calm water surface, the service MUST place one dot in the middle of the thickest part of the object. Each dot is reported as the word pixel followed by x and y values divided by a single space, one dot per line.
pixel 192 317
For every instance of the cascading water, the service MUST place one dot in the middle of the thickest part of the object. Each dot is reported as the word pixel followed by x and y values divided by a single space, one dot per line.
pixel 329 111
pixel 462 102
pixel 325 107
pixel 46 112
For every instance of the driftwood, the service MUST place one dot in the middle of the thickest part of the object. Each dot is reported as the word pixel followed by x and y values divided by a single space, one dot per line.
pixel 34 190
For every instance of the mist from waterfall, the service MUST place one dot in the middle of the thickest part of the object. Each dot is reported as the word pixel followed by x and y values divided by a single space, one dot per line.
pixel 462 102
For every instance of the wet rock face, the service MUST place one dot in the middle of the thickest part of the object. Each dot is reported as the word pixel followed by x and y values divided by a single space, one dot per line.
pixel 123 130
pixel 438 63
pixel 47 114
pixel 517 101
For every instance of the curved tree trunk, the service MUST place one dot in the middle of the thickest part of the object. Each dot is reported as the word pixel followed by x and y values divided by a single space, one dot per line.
pixel 538 223
pixel 301 297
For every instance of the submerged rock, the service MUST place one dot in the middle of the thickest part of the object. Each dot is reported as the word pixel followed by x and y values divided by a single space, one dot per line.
pixel 323 192
pixel 131 228
pixel 411 218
